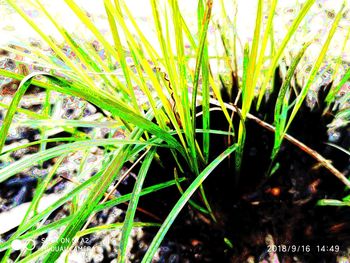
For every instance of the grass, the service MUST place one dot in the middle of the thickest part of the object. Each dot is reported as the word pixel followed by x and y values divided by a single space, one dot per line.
pixel 172 88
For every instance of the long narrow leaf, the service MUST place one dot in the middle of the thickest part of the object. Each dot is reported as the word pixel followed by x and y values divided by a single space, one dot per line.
pixel 315 68
pixel 130 213
pixel 181 203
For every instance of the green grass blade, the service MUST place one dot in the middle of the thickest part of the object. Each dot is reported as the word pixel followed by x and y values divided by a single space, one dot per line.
pixel 331 95
pixel 50 42
pixel 114 202
pixel 249 88
pixel 121 53
pixel 12 148
pixel 48 154
pixel 199 56
pixel 40 216
pixel 37 254
pixel 268 30
pixel 280 118
pixel 181 203
pixel 241 130
pixel 315 68
pixel 88 206
pixel 39 192
pixel 130 213
pixel 205 88
pixel 22 88
pixel 306 7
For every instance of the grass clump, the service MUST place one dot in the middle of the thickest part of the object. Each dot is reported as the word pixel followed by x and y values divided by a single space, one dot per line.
pixel 167 119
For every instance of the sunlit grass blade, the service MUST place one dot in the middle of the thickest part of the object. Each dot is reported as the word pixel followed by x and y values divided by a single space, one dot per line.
pixel 51 43
pixel 110 227
pixel 249 87
pixel 182 201
pixel 44 229
pixel 12 148
pixel 29 160
pixel 199 56
pixel 130 213
pixel 281 103
pixel 89 204
pixel 340 148
pixel 332 202
pixel 22 88
pixel 172 88
pixel 241 131
pixel 331 95
pixel 32 209
pixel 121 55
pixel 315 68
pixel 40 216
pixel 205 88
pixel 302 13
pixel 266 35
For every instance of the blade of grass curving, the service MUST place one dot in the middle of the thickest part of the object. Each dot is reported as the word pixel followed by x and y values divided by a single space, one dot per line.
pixel 96 98
pixel 192 203
pixel 88 205
pixel 331 95
pixel 315 68
pixel 268 29
pixel 88 231
pixel 182 201
pixel 212 83
pixel 332 202
pixel 121 54
pixel 68 123
pixel 23 86
pixel 249 88
pixel 248 85
pixel 307 5
pixel 13 147
pixel 32 209
pixel 172 85
pixel 50 42
pixel 36 218
pixel 205 88
pixel 130 213
pixel 199 57
pixel 279 117
pixel 151 51
pixel 241 132
pixel 339 148
pixel 115 107
pixel 30 160
pixel 32 234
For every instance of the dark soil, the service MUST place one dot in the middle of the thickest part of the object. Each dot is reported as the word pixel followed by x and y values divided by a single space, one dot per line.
pixel 253 206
